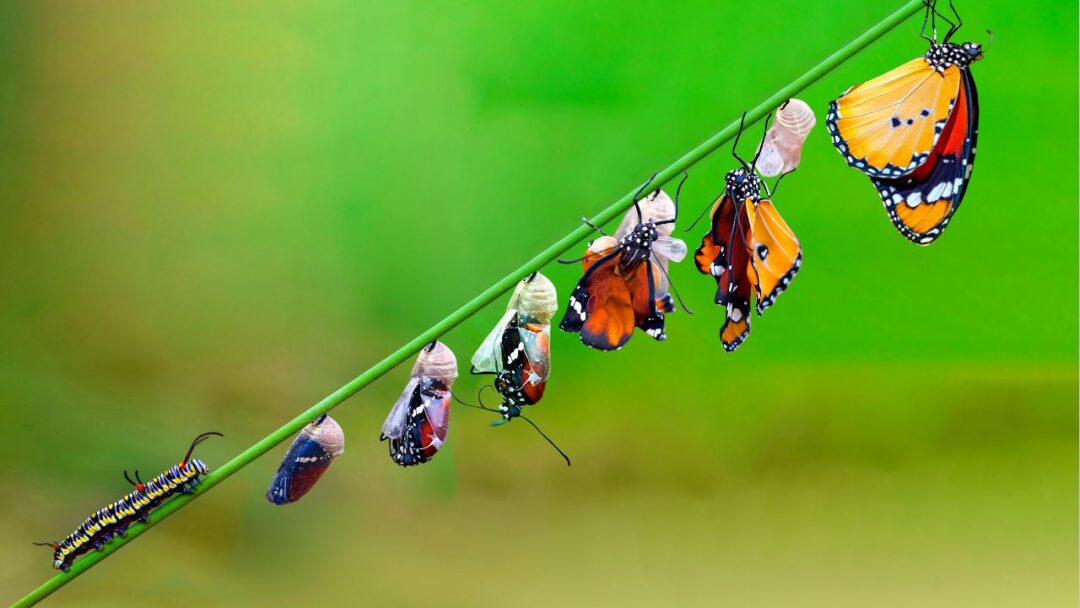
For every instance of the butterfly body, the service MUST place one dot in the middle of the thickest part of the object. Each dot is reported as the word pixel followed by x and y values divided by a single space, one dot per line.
pixel 913 132
pixel 624 284
pixel 750 251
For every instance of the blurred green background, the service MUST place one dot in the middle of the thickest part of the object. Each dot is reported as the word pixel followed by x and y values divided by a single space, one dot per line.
pixel 212 215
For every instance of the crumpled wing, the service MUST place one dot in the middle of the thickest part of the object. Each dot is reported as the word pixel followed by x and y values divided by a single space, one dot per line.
pixel 487 359
pixel 394 425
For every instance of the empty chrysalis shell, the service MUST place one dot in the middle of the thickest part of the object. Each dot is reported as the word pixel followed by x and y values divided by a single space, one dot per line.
pixel 782 147
pixel 536 297
pixel 309 456
pixel 418 423
pixel 436 361
pixel 533 302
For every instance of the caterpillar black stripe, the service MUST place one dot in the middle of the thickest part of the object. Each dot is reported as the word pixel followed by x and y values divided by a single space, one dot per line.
pixel 113 520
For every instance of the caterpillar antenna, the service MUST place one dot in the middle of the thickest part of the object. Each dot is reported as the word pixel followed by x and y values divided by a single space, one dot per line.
pixel 198 439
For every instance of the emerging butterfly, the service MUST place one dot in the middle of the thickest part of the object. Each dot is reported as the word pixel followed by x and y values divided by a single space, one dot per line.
pixel 518 350
pixel 625 284
pixel 748 246
pixel 913 132
pixel 419 421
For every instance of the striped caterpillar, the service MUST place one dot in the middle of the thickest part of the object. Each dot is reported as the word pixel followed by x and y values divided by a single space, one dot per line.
pixel 114 519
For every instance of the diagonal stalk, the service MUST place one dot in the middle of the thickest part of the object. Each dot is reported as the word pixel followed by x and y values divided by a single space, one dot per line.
pixel 476 304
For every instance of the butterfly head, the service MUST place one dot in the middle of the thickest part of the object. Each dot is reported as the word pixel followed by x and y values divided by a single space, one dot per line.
pixel 740 184
pixel 637 244
pixel 973 50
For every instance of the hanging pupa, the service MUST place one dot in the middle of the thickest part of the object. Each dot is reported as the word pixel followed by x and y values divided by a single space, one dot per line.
pixel 417 425
pixel 309 456
pixel 518 350
pixel 781 149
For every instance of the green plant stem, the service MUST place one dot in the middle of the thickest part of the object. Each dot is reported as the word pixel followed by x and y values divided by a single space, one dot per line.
pixel 475 305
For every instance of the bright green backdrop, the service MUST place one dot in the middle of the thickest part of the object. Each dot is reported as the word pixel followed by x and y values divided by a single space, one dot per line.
pixel 212 215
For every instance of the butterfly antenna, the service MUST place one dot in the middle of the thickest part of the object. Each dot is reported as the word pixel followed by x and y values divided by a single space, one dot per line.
pixel 678 191
pixel 561 261
pixel 671 285
pixel 199 439
pixel 548 439
pixel 473 405
pixel 735 144
pixel 637 195
pixel 698 218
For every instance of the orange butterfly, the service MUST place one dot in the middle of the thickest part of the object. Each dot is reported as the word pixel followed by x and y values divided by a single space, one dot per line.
pixel 913 132
pixel 748 246
pixel 625 280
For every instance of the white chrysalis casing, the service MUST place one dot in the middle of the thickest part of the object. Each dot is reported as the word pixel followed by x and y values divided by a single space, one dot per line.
pixel 781 149
pixel 534 301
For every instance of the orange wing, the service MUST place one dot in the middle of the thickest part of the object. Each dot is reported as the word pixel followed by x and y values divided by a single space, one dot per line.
pixel 921 204
pixel 775 254
pixel 712 248
pixel 887 127
pixel 600 308
pixel 734 280
pixel 642 281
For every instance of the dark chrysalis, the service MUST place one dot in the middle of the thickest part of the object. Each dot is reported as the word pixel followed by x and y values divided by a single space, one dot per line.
pixel 309 456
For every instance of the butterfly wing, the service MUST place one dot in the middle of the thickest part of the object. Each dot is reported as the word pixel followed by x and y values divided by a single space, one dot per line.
pixel 426 424
pixel 434 419
pixel 527 364
pixel 536 341
pixel 712 244
pixel 888 126
pixel 600 307
pixel 775 254
pixel 666 249
pixel 394 425
pixel 486 358
pixel 711 257
pixel 303 465
pixel 921 204
pixel 735 282
pixel 641 282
